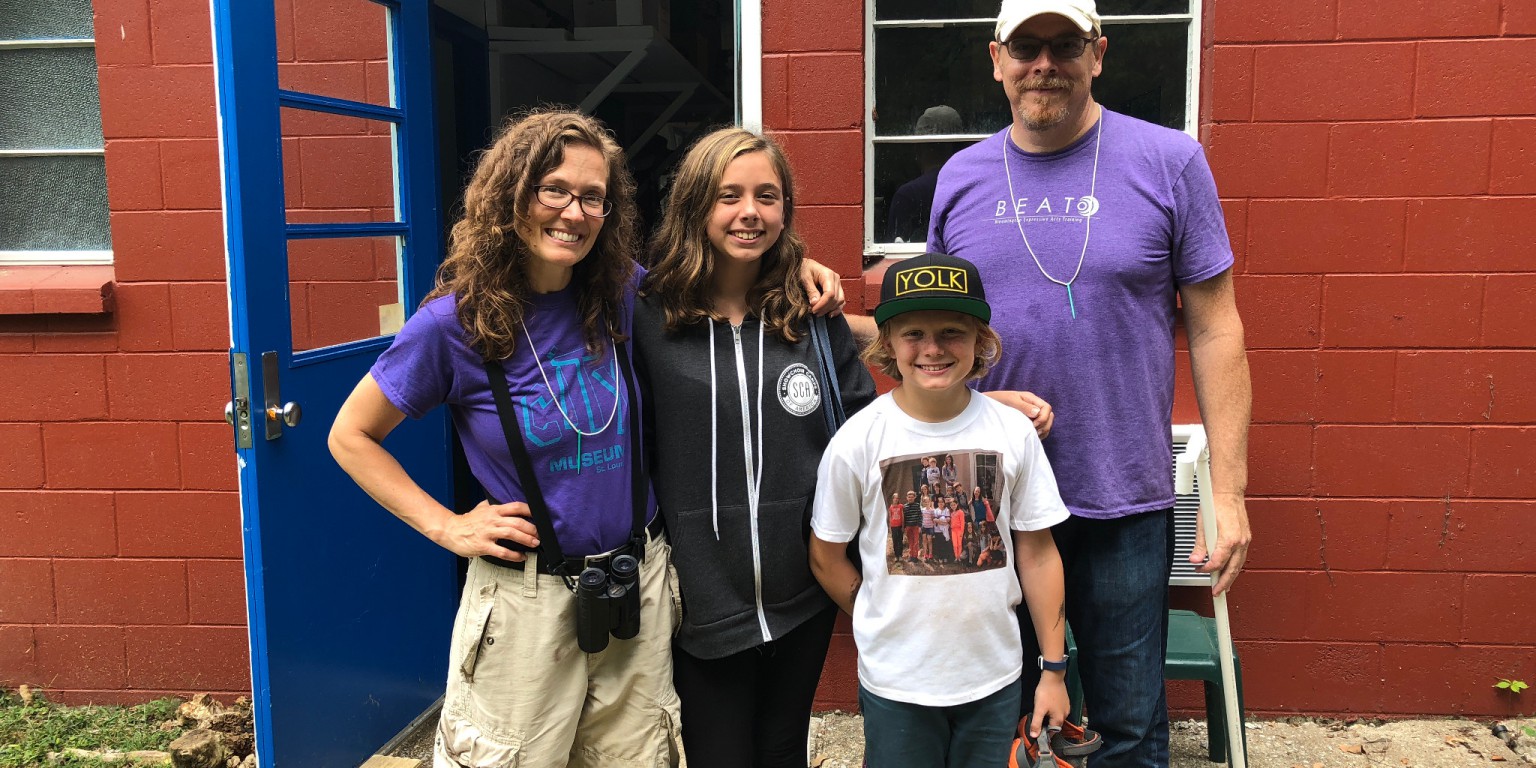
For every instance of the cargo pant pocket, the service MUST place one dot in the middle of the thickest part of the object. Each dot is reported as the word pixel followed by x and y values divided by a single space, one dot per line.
pixel 462 743
pixel 474 630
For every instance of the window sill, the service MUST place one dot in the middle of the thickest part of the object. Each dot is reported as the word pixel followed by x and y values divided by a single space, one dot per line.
pixel 72 290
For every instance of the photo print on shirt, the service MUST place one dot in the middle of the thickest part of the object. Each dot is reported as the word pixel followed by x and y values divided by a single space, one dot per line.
pixel 942 518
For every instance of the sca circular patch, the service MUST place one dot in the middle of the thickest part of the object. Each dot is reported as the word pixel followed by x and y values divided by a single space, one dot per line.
pixel 799 391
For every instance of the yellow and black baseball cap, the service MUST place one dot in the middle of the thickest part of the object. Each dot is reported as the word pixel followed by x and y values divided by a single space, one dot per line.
pixel 933 281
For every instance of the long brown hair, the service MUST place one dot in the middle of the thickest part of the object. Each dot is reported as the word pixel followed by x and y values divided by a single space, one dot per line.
pixel 487 264
pixel 684 261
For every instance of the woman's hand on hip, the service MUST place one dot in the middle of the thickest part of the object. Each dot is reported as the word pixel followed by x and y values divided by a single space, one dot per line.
pixel 477 531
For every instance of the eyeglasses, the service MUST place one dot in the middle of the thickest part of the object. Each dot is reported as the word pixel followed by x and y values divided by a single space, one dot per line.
pixel 1062 48
pixel 560 198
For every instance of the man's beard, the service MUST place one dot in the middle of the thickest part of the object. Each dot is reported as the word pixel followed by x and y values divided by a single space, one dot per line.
pixel 1045 118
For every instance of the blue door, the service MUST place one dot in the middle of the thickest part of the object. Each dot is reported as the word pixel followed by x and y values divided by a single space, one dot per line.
pixel 332 228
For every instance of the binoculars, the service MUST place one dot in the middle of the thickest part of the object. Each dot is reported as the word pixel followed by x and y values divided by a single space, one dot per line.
pixel 608 603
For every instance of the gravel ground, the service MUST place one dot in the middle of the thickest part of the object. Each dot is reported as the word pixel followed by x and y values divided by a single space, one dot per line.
pixel 1292 743
pixel 837 741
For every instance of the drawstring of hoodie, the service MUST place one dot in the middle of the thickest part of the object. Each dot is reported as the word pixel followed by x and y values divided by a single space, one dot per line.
pixel 754 464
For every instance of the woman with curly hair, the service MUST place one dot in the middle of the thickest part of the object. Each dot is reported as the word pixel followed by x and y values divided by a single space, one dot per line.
pixel 722 329
pixel 537 291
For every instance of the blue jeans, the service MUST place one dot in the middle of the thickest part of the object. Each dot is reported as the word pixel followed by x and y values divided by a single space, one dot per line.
pixel 978 734
pixel 1117 603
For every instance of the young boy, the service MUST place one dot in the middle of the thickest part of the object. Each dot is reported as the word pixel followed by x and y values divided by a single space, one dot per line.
pixel 962 710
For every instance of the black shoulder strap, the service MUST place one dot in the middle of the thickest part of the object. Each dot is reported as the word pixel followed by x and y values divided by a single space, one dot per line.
pixel 638 485
pixel 549 546
pixel 832 399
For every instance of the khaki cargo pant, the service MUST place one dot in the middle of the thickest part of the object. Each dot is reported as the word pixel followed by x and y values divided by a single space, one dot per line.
pixel 521 693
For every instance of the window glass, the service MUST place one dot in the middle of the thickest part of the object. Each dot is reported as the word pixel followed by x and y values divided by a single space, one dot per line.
pixel 50 99
pixel 1141 7
pixel 1145 73
pixel 905 175
pixel 902 10
pixel 53 182
pixel 922 67
pixel 49 20
pixel 891 10
pixel 54 203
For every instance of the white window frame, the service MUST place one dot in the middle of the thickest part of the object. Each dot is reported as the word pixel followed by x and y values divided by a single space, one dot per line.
pixel 54 258
pixel 903 250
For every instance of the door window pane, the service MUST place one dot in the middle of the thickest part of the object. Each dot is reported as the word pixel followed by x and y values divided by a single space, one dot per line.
pixel 53 204
pixel 338 48
pixel 50 99
pixel 45 20
pixel 342 289
pixel 337 168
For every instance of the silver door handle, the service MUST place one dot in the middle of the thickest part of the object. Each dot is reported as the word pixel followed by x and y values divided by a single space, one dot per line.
pixel 289 413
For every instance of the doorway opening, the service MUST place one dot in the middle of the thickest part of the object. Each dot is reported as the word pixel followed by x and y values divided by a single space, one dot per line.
pixel 659 73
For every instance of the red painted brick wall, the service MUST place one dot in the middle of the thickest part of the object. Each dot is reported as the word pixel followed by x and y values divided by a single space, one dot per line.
pixel 1375 163
pixel 119 520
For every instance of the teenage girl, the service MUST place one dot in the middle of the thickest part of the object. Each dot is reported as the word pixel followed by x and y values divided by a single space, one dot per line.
pixel 736 395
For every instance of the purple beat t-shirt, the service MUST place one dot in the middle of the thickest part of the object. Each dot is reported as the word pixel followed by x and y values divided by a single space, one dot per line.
pixel 1108 373
pixel 586 482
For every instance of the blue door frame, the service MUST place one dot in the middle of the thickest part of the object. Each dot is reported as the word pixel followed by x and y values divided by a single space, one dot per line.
pixel 349 610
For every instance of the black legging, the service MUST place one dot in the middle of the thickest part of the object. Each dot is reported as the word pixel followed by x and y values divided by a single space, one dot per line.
pixel 753 709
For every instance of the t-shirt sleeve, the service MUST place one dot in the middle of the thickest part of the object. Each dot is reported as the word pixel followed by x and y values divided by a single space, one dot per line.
pixel 416 372
pixel 1201 248
pixel 836 511
pixel 1036 501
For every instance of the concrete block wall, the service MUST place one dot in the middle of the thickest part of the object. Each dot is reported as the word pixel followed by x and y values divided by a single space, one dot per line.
pixel 119 514
pixel 1374 161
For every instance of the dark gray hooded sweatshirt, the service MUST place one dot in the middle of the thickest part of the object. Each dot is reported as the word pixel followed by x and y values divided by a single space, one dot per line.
pixel 744 568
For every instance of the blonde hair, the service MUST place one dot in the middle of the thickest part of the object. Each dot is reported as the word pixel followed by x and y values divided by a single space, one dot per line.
pixel 682 258
pixel 487 264
pixel 989 349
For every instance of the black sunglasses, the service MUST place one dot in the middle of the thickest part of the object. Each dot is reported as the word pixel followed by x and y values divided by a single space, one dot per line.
pixel 1062 48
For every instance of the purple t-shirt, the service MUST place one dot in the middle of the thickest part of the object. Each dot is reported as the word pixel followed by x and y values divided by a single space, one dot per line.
pixel 585 481
pixel 1109 372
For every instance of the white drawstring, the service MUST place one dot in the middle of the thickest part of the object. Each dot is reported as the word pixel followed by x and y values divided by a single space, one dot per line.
pixel 714 451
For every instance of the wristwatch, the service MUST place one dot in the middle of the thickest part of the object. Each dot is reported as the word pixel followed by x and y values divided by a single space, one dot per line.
pixel 1053 666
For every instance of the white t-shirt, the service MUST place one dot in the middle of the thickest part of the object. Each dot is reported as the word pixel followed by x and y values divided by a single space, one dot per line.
pixel 959 618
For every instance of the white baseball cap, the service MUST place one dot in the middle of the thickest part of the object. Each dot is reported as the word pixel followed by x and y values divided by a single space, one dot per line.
pixel 1083 13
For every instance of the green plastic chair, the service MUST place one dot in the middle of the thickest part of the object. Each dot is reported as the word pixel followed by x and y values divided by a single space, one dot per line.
pixel 1193 655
